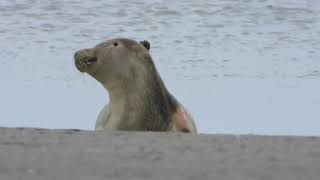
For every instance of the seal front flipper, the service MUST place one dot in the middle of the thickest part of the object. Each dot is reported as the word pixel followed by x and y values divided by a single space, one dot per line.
pixel 146 44
pixel 103 118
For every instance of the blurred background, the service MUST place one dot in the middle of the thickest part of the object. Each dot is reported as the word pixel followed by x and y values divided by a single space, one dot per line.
pixel 239 66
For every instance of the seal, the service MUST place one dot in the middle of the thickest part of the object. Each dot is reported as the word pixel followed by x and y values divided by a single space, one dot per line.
pixel 139 100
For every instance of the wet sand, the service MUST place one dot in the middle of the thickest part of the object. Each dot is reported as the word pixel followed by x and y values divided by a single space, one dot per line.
pixel 41 154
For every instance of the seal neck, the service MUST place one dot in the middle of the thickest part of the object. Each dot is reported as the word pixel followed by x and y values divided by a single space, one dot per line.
pixel 140 105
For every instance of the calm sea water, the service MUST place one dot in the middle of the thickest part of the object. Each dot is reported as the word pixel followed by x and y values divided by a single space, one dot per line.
pixel 239 66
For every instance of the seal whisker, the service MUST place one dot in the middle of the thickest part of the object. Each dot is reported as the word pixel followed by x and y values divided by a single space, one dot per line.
pixel 81 62
pixel 86 61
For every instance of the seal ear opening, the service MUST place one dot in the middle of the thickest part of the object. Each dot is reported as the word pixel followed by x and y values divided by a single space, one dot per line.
pixel 146 44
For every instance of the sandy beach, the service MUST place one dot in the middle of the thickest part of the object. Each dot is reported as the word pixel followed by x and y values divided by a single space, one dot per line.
pixel 41 154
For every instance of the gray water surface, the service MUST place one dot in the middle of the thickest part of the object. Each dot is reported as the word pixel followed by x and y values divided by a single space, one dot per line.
pixel 239 66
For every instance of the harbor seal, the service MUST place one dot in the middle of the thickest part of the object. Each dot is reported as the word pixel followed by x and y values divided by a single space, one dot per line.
pixel 139 100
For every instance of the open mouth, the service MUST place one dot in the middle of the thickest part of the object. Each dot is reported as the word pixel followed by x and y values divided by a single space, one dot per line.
pixel 83 63
pixel 90 61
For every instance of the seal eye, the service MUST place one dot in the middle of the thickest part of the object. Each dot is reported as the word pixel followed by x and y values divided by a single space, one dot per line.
pixel 115 44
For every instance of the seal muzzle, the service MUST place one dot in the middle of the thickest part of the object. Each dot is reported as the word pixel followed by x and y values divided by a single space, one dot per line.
pixel 82 60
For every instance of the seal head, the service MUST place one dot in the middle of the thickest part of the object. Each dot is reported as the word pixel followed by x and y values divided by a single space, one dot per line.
pixel 111 60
